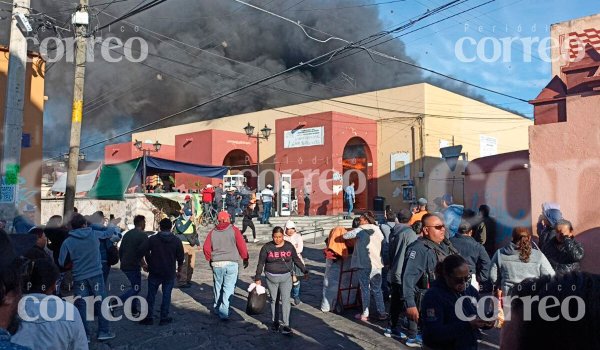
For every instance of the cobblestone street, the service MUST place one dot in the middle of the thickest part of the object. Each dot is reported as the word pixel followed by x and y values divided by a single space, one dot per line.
pixel 195 327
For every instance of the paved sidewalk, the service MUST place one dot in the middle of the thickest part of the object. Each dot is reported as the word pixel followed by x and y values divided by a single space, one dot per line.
pixel 194 326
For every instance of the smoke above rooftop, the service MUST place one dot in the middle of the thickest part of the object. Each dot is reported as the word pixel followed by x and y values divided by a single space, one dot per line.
pixel 202 48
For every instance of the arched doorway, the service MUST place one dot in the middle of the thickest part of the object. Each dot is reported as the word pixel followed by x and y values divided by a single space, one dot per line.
pixel 355 162
pixel 240 162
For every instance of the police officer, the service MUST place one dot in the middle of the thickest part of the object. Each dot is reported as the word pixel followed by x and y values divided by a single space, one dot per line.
pixel 419 269
pixel 473 252
pixel 449 308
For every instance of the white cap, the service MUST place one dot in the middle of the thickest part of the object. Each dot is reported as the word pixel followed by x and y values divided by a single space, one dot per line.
pixel 290 224
pixel 130 226
pixel 209 186
pixel 231 188
pixel 269 186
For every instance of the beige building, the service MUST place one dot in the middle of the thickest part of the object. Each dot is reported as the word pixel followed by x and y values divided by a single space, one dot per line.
pixel 412 123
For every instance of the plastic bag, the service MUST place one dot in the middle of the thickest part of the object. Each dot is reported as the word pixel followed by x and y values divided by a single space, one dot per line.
pixel 256 302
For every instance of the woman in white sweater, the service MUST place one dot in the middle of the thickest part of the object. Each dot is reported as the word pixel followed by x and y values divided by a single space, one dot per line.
pixel 518 261
pixel 296 240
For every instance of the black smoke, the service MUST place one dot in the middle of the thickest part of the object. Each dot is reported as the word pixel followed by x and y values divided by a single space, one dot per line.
pixel 121 96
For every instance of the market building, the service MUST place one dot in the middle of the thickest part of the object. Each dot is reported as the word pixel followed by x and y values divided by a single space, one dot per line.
pixel 387 141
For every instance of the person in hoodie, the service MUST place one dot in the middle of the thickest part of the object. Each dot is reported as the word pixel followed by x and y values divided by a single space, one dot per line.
pixel 98 222
pixel 518 261
pixel 296 239
pixel 38 251
pixel 367 259
pixel 551 214
pixel 399 242
pixel 81 250
pixel 164 256
pixel 452 215
pixel 442 326
pixel 222 249
pixel 39 329
pixel 474 253
pixel 56 233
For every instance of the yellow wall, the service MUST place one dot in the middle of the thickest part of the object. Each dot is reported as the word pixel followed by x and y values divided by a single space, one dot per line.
pixel 31 158
pixel 397 110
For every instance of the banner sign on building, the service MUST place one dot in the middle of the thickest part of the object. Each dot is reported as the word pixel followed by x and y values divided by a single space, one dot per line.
pixel 400 166
pixel 488 146
pixel 304 137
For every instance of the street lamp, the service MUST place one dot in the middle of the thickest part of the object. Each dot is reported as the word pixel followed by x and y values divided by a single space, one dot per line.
pixel 146 152
pixel 266 132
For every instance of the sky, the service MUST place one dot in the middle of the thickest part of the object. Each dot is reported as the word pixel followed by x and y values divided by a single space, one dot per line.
pixel 199 48
pixel 435 47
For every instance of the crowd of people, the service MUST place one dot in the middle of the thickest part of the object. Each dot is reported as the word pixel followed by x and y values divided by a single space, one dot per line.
pixel 417 266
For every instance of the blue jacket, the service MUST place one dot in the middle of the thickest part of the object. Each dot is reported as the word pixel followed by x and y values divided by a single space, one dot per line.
pixel 82 248
pixel 442 329
pixel 21 224
pixel 452 217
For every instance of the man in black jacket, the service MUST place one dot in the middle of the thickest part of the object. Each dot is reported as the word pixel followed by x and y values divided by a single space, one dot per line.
pixel 131 257
pixel 563 251
pixel 473 252
pixel 162 252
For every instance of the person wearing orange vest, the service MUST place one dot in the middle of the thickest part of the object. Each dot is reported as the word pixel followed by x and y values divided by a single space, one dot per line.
pixel 419 211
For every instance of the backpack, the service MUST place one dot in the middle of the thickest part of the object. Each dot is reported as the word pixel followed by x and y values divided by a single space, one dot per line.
pixel 112 254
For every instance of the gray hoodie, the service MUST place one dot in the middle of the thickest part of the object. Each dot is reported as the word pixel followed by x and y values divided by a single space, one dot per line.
pixel 367 250
pixel 82 247
pixel 507 269
pixel 398 244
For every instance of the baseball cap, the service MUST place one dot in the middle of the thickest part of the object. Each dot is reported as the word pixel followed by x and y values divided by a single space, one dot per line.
pixel 269 186
pixel 290 224
pixel 28 208
pixel 187 197
pixel 422 201
pixel 223 216
pixel 447 198
pixel 231 188
pixel 187 212
pixel 209 186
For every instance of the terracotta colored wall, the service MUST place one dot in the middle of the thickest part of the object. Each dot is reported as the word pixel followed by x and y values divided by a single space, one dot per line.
pixel 322 164
pixel 122 152
pixel 503 183
pixel 565 163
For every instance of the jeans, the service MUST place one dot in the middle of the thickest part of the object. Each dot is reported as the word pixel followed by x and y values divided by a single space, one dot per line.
pixel 266 212
pixel 105 272
pixel 370 281
pixel 93 286
pixel 167 288
pixel 350 204
pixel 231 211
pixel 280 287
pixel 135 278
pixel 331 281
pixel 296 289
pixel 224 280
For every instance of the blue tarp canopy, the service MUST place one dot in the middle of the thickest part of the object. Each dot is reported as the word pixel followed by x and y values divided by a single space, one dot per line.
pixel 160 165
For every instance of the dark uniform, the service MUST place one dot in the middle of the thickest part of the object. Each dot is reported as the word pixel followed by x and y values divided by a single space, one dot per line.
pixel 421 258
pixel 475 254
pixel 442 329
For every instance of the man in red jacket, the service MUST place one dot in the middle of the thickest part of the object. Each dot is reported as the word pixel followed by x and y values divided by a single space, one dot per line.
pixel 222 249
pixel 208 195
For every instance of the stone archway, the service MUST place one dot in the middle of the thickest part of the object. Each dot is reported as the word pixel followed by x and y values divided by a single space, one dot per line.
pixel 241 162
pixel 356 161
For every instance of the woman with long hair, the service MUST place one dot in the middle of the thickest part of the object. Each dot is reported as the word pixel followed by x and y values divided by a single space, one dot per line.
pixel 277 258
pixel 518 261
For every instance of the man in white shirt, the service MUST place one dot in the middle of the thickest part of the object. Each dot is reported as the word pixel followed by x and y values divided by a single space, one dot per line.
pixel 41 327
pixel 266 196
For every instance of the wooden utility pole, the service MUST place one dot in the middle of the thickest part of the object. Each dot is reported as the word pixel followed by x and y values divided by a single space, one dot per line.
pixel 15 99
pixel 81 20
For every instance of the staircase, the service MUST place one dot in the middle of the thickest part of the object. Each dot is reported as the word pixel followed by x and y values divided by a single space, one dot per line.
pixel 312 228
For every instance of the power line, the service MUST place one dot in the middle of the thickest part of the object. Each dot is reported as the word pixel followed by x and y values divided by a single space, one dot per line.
pixel 138 9
pixel 349 7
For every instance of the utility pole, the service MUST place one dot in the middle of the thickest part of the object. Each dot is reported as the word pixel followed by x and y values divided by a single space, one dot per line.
pixel 81 20
pixel 15 99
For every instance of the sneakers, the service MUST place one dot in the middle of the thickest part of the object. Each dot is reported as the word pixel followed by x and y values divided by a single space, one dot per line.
pixel 275 327
pixel 256 240
pixel 106 336
pixel 286 330
pixel 394 333
pixel 415 342
pixel 164 321
pixel 148 321
pixel 361 317
pixel 245 239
